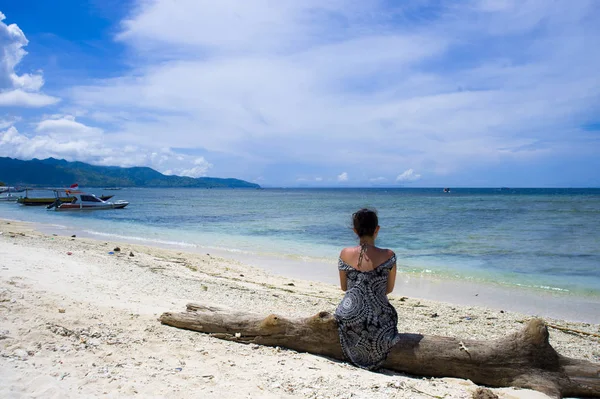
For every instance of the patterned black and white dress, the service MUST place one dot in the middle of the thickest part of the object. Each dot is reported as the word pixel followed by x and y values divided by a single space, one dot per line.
pixel 367 322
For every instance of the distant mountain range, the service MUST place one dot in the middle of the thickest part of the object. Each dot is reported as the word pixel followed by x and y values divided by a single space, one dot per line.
pixel 60 173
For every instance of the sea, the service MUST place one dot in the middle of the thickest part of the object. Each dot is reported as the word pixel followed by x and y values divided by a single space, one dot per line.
pixel 540 242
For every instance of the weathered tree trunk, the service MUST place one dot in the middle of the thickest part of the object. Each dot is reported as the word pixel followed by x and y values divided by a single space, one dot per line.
pixel 523 359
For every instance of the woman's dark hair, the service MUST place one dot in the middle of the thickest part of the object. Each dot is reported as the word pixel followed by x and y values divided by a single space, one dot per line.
pixel 365 222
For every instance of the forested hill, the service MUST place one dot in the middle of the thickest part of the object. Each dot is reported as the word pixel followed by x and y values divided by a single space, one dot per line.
pixel 61 173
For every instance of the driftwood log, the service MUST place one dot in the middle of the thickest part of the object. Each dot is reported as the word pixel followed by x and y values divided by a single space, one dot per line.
pixel 524 359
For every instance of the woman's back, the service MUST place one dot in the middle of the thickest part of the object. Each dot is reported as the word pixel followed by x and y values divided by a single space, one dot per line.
pixel 372 257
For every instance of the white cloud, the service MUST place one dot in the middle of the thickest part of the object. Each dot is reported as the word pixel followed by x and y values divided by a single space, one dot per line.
pixel 318 179
pixel 16 145
pixel 11 137
pixel 201 169
pixel 67 125
pixel 18 90
pixel 5 123
pixel 408 175
pixel 20 98
pixel 342 177
pixel 231 25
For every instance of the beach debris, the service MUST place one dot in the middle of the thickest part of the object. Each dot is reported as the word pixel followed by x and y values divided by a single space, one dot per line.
pixel 69 253
pixel 178 368
pixel 238 335
pixel 573 331
pixel 403 299
pixel 462 347
pixel 73 236
pixel 241 275
pixel 408 387
pixel 117 249
pixel 291 284
pixel 131 254
pixel 21 354
pixel 484 393
pixel 434 315
pixel 61 310
pixel 204 288
pixel 111 253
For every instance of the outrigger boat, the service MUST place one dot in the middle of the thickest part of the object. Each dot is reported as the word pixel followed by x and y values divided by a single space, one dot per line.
pixel 39 201
pixel 84 202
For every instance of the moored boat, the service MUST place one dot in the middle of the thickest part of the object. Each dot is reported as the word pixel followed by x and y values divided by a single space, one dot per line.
pixel 40 201
pixel 85 202
pixel 8 197
pixel 6 194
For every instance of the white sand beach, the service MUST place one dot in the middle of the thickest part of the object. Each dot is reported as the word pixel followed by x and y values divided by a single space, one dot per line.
pixel 76 321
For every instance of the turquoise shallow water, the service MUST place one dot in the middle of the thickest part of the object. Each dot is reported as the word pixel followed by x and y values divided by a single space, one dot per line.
pixel 539 239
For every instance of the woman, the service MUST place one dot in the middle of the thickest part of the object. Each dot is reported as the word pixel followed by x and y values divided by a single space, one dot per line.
pixel 366 320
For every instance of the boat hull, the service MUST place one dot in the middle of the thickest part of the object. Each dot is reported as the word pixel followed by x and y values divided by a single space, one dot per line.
pixel 91 207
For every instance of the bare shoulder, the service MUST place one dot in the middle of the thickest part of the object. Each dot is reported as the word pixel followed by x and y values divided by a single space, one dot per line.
pixel 346 252
pixel 387 252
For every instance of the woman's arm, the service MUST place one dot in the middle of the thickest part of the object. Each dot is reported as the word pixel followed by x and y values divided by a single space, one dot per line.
pixel 343 275
pixel 391 280
pixel 343 280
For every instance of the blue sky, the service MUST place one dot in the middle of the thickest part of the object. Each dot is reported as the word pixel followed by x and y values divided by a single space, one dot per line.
pixel 309 93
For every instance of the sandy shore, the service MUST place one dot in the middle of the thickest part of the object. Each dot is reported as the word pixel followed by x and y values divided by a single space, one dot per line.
pixel 85 325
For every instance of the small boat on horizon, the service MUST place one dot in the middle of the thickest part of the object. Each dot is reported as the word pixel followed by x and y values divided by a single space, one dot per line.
pixel 85 202
pixel 446 189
